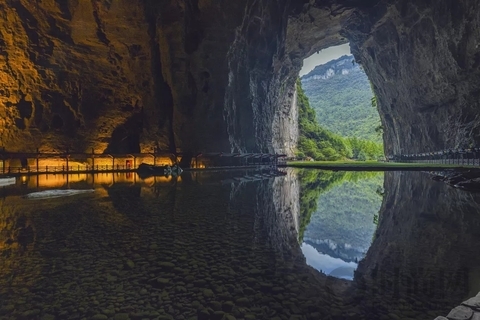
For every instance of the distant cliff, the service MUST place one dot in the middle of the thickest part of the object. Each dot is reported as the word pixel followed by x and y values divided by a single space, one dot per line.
pixel 340 93
pixel 343 65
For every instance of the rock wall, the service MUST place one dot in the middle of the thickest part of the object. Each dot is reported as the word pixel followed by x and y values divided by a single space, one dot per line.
pixel 423 59
pixel 468 310
pixel 125 76
pixel 122 76
pixel 422 258
pixel 74 74
pixel 200 75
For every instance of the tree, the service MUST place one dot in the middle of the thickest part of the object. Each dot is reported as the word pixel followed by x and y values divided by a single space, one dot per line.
pixel 315 141
pixel 321 144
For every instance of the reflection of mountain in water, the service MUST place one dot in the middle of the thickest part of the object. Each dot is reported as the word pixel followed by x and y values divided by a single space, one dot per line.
pixel 327 264
pixel 343 272
pixel 340 222
pixel 342 251
pixel 238 239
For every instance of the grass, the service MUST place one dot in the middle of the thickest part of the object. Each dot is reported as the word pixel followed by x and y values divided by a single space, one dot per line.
pixel 375 165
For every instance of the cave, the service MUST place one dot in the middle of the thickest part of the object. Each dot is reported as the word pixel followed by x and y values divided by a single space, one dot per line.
pixel 216 78
pixel 199 76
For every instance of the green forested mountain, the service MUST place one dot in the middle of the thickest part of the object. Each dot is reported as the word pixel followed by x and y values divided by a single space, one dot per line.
pixel 340 93
pixel 353 202
pixel 338 210
pixel 321 144
pixel 312 184
pixel 315 141
pixel 346 213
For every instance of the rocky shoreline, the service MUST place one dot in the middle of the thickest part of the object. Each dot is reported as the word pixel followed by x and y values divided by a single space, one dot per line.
pixel 468 310
pixel 466 179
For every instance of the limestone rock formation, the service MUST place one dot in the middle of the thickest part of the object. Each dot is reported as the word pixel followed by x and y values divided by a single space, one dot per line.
pixel 72 73
pixel 423 254
pixel 124 76
pixel 423 59
pixel 201 75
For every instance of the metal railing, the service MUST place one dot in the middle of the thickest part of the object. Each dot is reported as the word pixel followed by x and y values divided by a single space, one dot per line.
pixel 469 156
pixel 65 169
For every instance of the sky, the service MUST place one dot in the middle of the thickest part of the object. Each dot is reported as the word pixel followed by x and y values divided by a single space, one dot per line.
pixel 325 263
pixel 323 57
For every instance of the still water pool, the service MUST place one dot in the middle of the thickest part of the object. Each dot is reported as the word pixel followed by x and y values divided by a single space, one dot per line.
pixel 238 245
pixel 337 230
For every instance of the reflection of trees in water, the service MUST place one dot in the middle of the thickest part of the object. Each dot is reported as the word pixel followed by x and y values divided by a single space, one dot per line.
pixel 245 237
pixel 424 258
pixel 313 183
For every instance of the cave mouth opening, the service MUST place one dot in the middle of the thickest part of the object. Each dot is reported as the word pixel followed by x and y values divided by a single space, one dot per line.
pixel 338 120
pixel 341 105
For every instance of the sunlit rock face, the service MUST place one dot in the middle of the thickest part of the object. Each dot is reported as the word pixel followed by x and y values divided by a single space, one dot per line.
pixel 423 59
pixel 75 74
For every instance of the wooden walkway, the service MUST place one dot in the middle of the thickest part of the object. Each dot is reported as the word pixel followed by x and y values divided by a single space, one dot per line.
pixel 21 163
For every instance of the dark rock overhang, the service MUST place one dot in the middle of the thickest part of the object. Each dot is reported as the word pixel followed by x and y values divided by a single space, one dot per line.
pixel 204 76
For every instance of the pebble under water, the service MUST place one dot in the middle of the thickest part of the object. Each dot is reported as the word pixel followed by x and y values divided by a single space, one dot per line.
pixel 220 246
